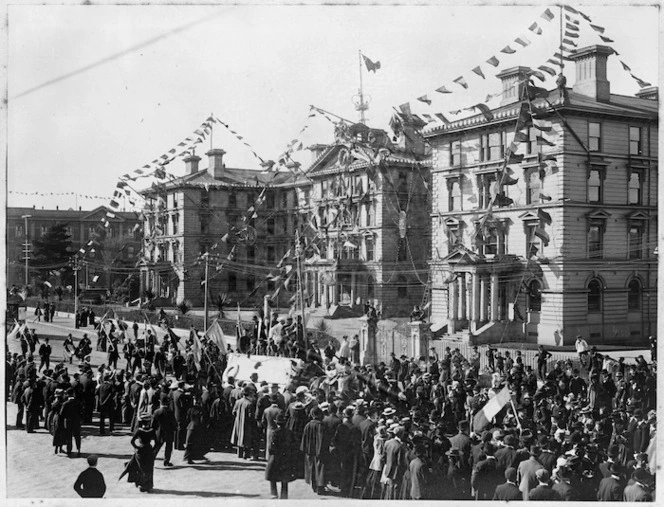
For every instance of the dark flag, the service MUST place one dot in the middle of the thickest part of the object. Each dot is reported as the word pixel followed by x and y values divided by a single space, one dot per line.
pixel 371 66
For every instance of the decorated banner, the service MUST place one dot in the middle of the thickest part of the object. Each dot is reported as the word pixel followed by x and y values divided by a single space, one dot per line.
pixel 271 369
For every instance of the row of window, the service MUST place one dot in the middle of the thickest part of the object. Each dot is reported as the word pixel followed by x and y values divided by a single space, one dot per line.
pixel 492 145
pixel 534 179
pixel 286 198
pixel 595 292
pixel 493 240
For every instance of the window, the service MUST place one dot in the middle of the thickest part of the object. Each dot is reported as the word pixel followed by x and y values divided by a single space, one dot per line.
pixel 271 254
pixel 635 241
pixel 402 287
pixel 369 242
pixel 370 287
pixel 635 144
pixel 594 296
pixel 403 189
pixel 18 231
pixel 269 200
pixel 485 184
pixel 635 186
pixel 454 190
pixel 176 223
pixel 490 241
pixel 284 200
pixel 594 136
pixel 455 153
pixel 492 146
pixel 232 200
pixel 251 254
pixel 131 252
pixel 176 253
pixel 232 282
pixel 533 185
pixel 307 196
pixel 205 199
pixel 358 187
pixel 205 226
pixel 595 185
pixel 251 283
pixel 595 240
pixel 534 296
pixel 369 214
pixel 92 231
pixel 270 285
pixel 175 201
pixel 634 295
pixel 270 225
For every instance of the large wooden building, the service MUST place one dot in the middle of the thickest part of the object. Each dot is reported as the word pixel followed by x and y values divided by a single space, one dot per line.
pixel 372 223
pixel 559 240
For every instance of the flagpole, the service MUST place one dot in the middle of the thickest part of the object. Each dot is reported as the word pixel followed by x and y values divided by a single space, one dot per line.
pixel 562 68
pixel 298 253
pixel 361 104
pixel 516 415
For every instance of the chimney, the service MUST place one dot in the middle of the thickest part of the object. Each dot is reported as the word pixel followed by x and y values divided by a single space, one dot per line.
pixel 648 93
pixel 591 72
pixel 216 164
pixel 191 164
pixel 514 79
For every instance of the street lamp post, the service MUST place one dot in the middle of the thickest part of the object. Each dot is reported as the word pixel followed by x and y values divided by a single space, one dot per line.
pixel 26 249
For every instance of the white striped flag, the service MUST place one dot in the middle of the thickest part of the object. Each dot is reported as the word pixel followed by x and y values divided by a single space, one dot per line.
pixel 490 410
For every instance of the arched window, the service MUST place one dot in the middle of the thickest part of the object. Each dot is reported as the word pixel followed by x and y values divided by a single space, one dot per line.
pixel 634 295
pixel 402 287
pixel 594 296
pixel 534 296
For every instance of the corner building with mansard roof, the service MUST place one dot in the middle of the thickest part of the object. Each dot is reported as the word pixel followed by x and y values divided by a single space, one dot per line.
pixel 563 242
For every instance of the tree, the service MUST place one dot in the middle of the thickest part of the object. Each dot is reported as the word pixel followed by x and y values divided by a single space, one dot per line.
pixel 220 301
pixel 53 251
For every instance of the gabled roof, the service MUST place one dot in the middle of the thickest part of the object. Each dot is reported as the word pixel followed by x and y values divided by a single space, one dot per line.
pixel 461 255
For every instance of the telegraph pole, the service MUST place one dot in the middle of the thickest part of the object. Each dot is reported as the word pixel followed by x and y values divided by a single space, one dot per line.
pixel 26 249
pixel 75 285
pixel 298 254
pixel 205 303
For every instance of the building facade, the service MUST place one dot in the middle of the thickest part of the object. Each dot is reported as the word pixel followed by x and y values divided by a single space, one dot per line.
pixel 370 220
pixel 545 214
pixel 215 211
pixel 108 261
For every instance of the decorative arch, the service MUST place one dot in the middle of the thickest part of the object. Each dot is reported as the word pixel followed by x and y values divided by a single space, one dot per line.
pixel 634 294
pixel 595 288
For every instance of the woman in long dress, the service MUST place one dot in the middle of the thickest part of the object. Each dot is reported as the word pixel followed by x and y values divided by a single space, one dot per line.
pixel 56 424
pixel 196 445
pixel 140 469
pixel 372 489
pixel 68 348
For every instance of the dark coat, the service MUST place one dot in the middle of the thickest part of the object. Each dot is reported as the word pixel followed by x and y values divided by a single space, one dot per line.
pixel 315 445
pixel 462 442
pixel 566 492
pixel 506 457
pixel 70 414
pixel 90 484
pixel 164 424
pixel 420 480
pixel 541 493
pixel 280 462
pixel 636 493
pixel 508 492
pixel 396 463
pixel 486 478
pixel 610 490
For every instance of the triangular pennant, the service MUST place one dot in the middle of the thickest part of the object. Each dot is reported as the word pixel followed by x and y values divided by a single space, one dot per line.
pixel 461 81
pixel 535 28
pixel 597 28
pixel 507 50
pixel 625 66
pixel 493 61
pixel 477 70
pixel 405 108
pixel 507 180
pixel 541 141
pixel 544 127
pixel 568 42
pixel 555 62
pixel 442 89
pixel 586 17
pixel 573 35
pixel 572 27
pixel 606 39
pixel 548 70
pixel 544 216
pixel 442 118
pixel 514 159
pixel 547 15
pixel 571 9
pixel 522 40
pixel 520 137
pixel 424 99
pixel 485 110
pixel 571 19
pixel 541 234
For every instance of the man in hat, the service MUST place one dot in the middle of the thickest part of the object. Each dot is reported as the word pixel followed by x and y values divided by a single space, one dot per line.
pixel 564 487
pixel 526 472
pixel 543 356
pixel 279 451
pixel 506 455
pixel 486 476
pixel 611 487
pixel 268 421
pixel 396 464
pixel 164 426
pixel 639 491
pixel 315 445
pixel 508 491
pixel 44 355
pixel 244 427
pixel 421 478
pixel 462 442
pixel 90 482
pixel 543 490
pixel 581 346
pixel 70 415
pixel 347 442
pixel 106 404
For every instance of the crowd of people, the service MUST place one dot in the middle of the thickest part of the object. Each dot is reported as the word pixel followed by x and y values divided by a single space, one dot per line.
pixel 408 429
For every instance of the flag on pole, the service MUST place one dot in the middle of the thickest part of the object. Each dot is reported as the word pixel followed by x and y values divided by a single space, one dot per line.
pixel 196 349
pixel 547 15
pixel 238 325
pixel 216 336
pixel 371 66
pixel 490 410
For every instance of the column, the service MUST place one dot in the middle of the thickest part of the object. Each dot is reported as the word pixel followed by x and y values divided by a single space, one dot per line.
pixel 352 289
pixel 494 297
pixel 462 296
pixel 483 299
pixel 368 345
pixel 476 297
pixel 469 297
pixel 452 307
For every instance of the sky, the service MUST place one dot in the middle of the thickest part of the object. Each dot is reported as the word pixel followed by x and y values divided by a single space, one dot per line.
pixel 95 92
